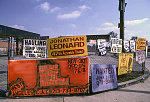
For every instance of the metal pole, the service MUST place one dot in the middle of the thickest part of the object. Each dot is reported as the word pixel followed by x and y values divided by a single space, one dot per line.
pixel 17 48
pixel 9 48
pixel 12 47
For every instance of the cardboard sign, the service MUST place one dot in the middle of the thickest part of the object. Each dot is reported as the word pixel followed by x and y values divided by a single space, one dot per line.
pixel 126 46
pixel 125 63
pixel 132 46
pixel 102 46
pixel 116 45
pixel 140 56
pixel 103 77
pixel 33 48
pixel 67 46
pixel 48 76
pixel 140 44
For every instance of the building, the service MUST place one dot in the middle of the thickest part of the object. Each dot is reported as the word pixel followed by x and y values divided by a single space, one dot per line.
pixel 18 35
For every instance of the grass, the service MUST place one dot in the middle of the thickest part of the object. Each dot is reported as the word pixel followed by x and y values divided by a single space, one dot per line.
pixel 129 76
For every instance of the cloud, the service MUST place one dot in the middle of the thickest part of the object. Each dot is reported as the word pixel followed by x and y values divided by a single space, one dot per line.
pixel 107 28
pixel 83 7
pixel 108 24
pixel 18 27
pixel 55 9
pixel 135 22
pixel 45 6
pixel 74 14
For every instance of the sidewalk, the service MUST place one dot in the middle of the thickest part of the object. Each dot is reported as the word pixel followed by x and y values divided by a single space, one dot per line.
pixel 94 59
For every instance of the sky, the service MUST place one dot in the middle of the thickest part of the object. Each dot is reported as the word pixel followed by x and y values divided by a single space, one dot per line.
pixel 76 17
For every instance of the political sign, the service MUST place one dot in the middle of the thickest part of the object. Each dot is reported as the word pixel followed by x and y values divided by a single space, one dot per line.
pixel 132 46
pixel 33 48
pixel 103 77
pixel 126 46
pixel 102 46
pixel 125 63
pixel 140 56
pixel 116 45
pixel 48 76
pixel 140 44
pixel 67 46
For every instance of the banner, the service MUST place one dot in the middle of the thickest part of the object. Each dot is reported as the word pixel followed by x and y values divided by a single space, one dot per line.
pixel 125 63
pixel 103 77
pixel 67 46
pixel 33 48
pixel 140 44
pixel 116 45
pixel 132 46
pixel 48 76
pixel 140 56
pixel 126 46
pixel 93 42
pixel 102 46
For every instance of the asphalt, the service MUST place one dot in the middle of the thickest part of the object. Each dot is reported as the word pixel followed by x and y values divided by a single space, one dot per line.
pixel 94 59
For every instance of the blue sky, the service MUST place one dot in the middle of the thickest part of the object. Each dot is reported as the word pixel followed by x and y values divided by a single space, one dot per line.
pixel 76 17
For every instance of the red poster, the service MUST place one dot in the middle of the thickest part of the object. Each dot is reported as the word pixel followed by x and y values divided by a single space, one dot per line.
pixel 48 76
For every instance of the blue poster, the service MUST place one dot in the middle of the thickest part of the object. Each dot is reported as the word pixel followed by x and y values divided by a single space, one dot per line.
pixel 103 77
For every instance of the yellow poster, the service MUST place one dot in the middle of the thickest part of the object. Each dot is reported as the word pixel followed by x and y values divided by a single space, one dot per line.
pixel 140 44
pixel 125 63
pixel 67 46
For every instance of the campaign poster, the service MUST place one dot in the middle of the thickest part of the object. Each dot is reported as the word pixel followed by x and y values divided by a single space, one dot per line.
pixel 125 63
pixel 67 46
pixel 33 48
pixel 132 46
pixel 116 45
pixel 140 56
pixel 140 44
pixel 102 47
pixel 126 46
pixel 103 77
pixel 48 76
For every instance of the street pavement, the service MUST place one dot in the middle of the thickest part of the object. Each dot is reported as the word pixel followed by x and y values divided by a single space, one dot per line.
pixel 135 93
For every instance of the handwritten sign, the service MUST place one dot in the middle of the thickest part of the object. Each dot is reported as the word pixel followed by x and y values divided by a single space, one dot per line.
pixel 48 76
pixel 116 45
pixel 140 56
pixel 132 46
pixel 67 46
pixel 140 44
pixel 126 46
pixel 33 48
pixel 102 46
pixel 103 77
pixel 125 63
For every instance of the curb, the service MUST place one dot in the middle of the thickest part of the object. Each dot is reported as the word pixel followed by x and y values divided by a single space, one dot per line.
pixel 135 81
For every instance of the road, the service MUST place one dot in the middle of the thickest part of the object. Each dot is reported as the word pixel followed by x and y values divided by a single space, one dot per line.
pixel 135 93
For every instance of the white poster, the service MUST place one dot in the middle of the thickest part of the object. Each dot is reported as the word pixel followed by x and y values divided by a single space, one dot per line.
pixel 102 46
pixel 116 45
pixel 140 56
pixel 103 77
pixel 126 46
pixel 33 48
pixel 132 46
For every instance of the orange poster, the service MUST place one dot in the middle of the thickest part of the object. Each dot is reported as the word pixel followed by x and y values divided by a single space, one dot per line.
pixel 141 44
pixel 48 76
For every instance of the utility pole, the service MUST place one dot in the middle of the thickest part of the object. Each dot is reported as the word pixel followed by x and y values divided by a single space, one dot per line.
pixel 122 6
